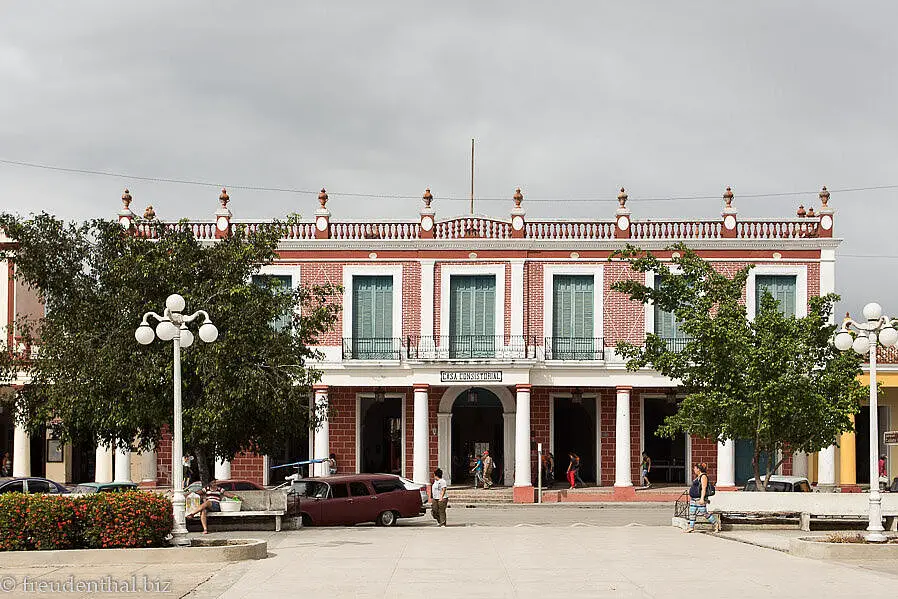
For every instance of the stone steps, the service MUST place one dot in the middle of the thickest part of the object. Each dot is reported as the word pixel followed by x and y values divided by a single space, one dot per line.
pixel 461 496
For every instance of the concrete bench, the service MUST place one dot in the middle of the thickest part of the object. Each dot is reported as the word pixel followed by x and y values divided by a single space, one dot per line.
pixel 271 503
pixel 805 505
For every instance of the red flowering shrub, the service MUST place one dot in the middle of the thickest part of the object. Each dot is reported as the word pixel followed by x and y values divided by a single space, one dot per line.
pixel 51 522
pixel 13 512
pixel 132 519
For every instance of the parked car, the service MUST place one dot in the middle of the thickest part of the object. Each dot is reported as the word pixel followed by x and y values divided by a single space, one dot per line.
pixel 31 484
pixel 354 498
pixel 782 484
pixel 88 488
pixel 228 485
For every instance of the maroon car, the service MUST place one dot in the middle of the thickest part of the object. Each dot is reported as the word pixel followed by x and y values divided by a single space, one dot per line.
pixel 354 498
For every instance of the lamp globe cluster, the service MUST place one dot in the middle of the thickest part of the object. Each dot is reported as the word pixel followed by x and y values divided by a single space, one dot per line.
pixel 167 329
pixel 887 334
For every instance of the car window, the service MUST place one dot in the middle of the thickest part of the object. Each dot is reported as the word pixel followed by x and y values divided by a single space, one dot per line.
pixel 358 489
pixel 339 491
pixel 38 486
pixel 84 489
pixel 387 486
pixel 245 487
pixel 14 486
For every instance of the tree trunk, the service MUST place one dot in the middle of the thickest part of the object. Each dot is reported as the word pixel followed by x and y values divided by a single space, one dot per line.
pixel 202 459
pixel 760 484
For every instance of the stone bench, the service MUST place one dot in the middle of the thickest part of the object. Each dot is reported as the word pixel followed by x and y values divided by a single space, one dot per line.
pixel 805 505
pixel 271 503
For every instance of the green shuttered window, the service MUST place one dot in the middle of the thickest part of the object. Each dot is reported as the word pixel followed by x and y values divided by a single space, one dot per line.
pixel 572 317
pixel 284 282
pixel 472 316
pixel 669 328
pixel 372 317
pixel 781 287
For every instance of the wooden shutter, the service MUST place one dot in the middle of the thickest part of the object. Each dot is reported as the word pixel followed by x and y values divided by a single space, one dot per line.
pixel 285 283
pixel 781 287
pixel 472 316
pixel 372 317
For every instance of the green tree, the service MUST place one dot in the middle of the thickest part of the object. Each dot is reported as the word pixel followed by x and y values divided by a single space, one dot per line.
pixel 91 381
pixel 776 380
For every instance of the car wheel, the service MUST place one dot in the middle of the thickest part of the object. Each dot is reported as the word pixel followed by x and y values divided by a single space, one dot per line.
pixel 306 520
pixel 387 518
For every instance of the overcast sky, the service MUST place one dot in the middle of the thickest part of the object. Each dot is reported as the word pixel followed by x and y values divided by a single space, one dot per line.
pixel 669 99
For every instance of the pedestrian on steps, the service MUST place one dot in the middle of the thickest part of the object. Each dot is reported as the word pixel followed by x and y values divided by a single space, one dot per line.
pixel 488 466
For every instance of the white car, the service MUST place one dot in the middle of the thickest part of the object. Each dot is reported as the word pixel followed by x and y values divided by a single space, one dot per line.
pixel 782 484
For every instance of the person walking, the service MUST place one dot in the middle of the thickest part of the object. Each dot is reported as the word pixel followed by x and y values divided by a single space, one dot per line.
pixel 698 498
pixel 645 468
pixel 6 467
pixel 488 466
pixel 439 500
pixel 573 468
pixel 883 473
pixel 478 472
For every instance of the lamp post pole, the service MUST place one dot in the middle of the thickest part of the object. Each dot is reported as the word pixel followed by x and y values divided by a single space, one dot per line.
pixel 877 329
pixel 173 327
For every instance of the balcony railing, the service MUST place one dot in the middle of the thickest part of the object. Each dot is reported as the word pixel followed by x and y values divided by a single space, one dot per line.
pixel 676 344
pixel 575 348
pixel 375 348
pixel 471 347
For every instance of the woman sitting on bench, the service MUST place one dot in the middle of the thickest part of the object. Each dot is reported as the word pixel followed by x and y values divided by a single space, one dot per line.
pixel 211 497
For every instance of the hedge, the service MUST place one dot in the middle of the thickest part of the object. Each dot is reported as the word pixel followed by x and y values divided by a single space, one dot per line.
pixel 100 520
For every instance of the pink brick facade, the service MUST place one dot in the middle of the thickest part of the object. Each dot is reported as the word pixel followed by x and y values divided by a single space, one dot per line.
pixel 528 258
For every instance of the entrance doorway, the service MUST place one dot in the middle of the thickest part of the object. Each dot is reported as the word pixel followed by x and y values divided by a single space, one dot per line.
pixel 862 441
pixel 381 435
pixel 575 430
pixel 668 455
pixel 477 425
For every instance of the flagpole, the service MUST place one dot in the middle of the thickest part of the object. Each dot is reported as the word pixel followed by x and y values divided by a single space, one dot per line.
pixel 472 175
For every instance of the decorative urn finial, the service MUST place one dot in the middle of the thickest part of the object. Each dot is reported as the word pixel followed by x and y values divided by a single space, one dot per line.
pixel 622 198
pixel 811 212
pixel 801 211
pixel 728 197
pixel 518 197
pixel 427 197
pixel 224 198
pixel 322 198
pixel 824 197
pixel 149 213
pixel 126 198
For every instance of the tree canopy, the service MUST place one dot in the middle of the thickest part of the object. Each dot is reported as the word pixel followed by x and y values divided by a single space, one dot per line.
pixel 92 382
pixel 776 380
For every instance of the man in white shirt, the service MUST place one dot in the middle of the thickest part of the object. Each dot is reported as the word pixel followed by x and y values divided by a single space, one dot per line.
pixel 439 500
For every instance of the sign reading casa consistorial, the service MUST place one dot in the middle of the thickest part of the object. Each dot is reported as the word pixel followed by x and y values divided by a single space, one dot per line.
pixel 471 376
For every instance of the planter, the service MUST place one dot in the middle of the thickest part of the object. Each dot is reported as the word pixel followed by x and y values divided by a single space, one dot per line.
pixel 230 506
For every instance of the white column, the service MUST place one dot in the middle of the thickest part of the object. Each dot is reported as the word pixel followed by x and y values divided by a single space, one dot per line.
pixel 522 476
pixel 726 463
pixel 427 299
pixel 826 466
pixel 508 447
pixel 800 464
pixel 517 297
pixel 444 444
pixel 148 472
pixel 21 452
pixel 622 474
pixel 421 436
pixel 103 470
pixel 222 469
pixel 322 433
pixel 122 465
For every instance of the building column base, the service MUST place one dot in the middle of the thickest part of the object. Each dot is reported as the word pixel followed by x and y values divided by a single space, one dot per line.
pixel 624 493
pixel 524 494
pixel 726 488
pixel 825 488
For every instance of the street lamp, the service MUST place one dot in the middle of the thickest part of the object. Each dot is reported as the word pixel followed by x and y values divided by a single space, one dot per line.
pixel 173 327
pixel 877 329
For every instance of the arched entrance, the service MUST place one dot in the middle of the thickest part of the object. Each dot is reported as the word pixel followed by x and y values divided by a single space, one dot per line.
pixel 477 425
pixel 468 416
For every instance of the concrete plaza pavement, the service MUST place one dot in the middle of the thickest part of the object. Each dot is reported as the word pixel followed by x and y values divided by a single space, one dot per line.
pixel 538 551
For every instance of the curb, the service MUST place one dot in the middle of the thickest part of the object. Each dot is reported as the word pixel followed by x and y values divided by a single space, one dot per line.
pixel 815 547
pixel 227 550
